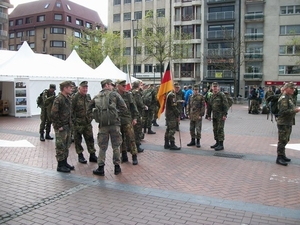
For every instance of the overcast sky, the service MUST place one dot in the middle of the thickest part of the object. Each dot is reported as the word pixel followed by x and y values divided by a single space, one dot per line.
pixel 101 6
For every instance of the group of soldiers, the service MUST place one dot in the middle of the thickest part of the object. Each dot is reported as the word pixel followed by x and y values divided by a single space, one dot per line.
pixel 71 114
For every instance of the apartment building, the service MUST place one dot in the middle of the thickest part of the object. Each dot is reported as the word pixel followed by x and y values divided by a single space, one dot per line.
pixel 4 6
pixel 238 43
pixel 47 25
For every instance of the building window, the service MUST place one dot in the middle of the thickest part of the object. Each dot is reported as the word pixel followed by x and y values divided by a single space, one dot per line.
pixel 59 44
pixel 69 8
pixel 11 23
pixel 116 18
pixel 58 17
pixel 58 4
pixel 41 18
pixel 291 9
pixel 19 22
pixel 19 46
pixel 77 34
pixel 137 68
pixel 127 51
pixel 88 25
pixel 126 33
pixel 127 16
pixel 148 68
pixel 20 34
pixel 60 56
pixel 11 35
pixel 160 12
pixel 149 13
pixel 47 5
pixel 31 33
pixel 11 47
pixel 137 50
pixel 57 30
pixel 28 20
pixel 187 13
pixel 289 50
pixel 69 19
pixel 127 1
pixel 290 29
pixel 138 15
pixel 137 0
pixel 79 22
pixel 117 2
pixel 283 70
pixel 32 45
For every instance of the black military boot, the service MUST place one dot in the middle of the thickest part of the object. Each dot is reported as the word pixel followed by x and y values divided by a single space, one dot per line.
pixel 215 145
pixel 117 169
pixel 173 146
pixel 134 160
pixel 192 143
pixel 61 167
pixel 81 158
pixel 198 143
pixel 286 158
pixel 220 146
pixel 139 149
pixel 42 137
pixel 48 137
pixel 280 160
pixel 167 144
pixel 93 157
pixel 68 165
pixel 124 157
pixel 145 129
pixel 155 123
pixel 99 171
pixel 151 131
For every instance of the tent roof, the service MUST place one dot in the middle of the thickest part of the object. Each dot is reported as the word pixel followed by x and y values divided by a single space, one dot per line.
pixel 6 55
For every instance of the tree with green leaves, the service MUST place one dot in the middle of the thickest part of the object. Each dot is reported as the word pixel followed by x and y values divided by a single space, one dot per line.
pixel 94 45
pixel 294 45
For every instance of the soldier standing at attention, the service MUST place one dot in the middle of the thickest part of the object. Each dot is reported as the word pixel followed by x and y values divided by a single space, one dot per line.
pixel 82 123
pixel 138 128
pixel 195 112
pixel 285 120
pixel 61 114
pixel 218 105
pixel 172 118
pixel 48 97
pixel 128 121
pixel 111 130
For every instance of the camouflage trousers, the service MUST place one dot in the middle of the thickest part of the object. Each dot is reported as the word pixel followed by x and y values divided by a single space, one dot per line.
pixel 87 132
pixel 138 131
pixel 155 113
pixel 254 106
pixel 171 129
pixel 195 125
pixel 128 137
pixel 62 143
pixel 45 122
pixel 284 133
pixel 218 127
pixel 115 138
pixel 148 117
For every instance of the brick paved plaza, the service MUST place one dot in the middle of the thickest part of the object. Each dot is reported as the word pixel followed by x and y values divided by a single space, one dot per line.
pixel 241 185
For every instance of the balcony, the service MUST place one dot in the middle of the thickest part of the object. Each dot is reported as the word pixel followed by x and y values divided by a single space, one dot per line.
pixel 220 16
pixel 254 37
pixel 219 53
pixel 210 2
pixel 3 17
pixel 253 76
pixel 254 1
pixel 254 17
pixel 219 74
pixel 3 35
pixel 253 56
pixel 220 34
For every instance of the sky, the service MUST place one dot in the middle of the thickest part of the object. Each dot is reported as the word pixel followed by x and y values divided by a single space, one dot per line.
pixel 101 6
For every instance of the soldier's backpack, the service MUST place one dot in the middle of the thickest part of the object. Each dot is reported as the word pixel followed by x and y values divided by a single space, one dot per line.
pixel 229 100
pixel 105 112
pixel 39 100
pixel 272 104
pixel 147 98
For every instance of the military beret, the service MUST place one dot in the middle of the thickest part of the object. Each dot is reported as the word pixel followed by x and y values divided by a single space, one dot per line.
pixel 289 85
pixel 215 84
pixel 196 87
pixel 106 81
pixel 121 82
pixel 136 84
pixel 83 84
pixel 53 86
pixel 73 83
pixel 67 83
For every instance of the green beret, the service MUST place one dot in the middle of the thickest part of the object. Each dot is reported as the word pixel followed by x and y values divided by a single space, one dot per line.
pixel 53 86
pixel 83 84
pixel 64 84
pixel 106 81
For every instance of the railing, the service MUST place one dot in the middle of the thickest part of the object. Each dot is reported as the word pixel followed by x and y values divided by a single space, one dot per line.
pixel 220 15
pixel 254 16
pixel 253 55
pixel 219 74
pixel 3 15
pixel 220 52
pixel 219 1
pixel 255 1
pixel 254 36
pixel 220 34
pixel 253 76
pixel 187 17
pixel 184 74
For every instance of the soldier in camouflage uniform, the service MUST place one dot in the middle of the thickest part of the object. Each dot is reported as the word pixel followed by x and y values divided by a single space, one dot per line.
pixel 61 115
pixel 156 108
pixel 137 95
pixel 172 115
pixel 128 121
pixel 195 112
pixel 218 105
pixel 112 131
pixel 82 123
pixel 74 91
pixel 285 120
pixel 48 97
pixel 149 114
pixel 180 100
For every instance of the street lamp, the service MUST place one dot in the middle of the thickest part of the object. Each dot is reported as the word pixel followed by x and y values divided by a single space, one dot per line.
pixel 154 67
pixel 134 44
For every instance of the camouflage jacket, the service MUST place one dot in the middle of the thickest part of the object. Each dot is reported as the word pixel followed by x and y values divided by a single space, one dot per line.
pixel 61 111
pixel 180 97
pixel 218 105
pixel 172 112
pixel 268 94
pixel 137 96
pixel 79 108
pixel 132 113
pixel 196 106
pixel 286 115
pixel 48 99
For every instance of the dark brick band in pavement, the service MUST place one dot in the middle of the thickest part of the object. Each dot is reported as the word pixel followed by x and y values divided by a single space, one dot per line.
pixel 53 198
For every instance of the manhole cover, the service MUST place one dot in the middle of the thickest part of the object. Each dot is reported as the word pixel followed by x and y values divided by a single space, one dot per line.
pixel 229 155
